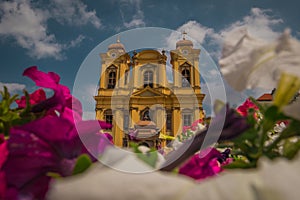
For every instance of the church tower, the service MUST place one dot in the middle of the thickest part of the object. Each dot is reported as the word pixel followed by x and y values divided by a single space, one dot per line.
pixel 186 75
pixel 134 89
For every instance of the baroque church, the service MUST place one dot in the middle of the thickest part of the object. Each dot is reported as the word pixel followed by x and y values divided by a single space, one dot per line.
pixel 136 96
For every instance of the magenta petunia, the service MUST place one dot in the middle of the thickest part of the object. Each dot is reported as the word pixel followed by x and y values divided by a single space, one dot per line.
pixel 3 150
pixel 49 144
pixel 3 157
pixel 244 108
pixel 207 163
pixel 62 101
pixel 34 98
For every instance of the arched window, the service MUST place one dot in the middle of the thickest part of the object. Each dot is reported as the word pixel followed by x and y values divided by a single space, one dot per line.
pixel 186 77
pixel 108 116
pixel 145 115
pixel 111 80
pixel 148 79
pixel 187 117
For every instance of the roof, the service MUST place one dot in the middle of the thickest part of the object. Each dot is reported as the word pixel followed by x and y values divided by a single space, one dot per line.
pixel 184 42
pixel 145 123
pixel 265 97
pixel 117 45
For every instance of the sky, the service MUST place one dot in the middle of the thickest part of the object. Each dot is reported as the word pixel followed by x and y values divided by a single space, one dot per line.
pixel 58 35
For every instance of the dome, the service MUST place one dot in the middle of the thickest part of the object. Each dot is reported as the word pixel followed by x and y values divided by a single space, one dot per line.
pixel 117 46
pixel 184 43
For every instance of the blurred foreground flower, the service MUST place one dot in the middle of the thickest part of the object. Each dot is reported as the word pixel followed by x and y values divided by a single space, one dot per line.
pixel 3 157
pixel 51 145
pixel 207 163
pixel 233 126
pixel 293 110
pixel 101 182
pixel 246 106
pixel 251 63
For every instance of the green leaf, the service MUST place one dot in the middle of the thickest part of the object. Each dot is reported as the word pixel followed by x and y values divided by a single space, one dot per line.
pixel 240 164
pixel 150 157
pixel 272 113
pixel 82 164
pixel 291 148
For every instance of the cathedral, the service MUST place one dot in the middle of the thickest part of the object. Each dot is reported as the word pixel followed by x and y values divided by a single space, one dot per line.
pixel 138 97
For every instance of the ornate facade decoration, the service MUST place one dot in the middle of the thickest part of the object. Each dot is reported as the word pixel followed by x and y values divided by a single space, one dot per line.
pixel 134 87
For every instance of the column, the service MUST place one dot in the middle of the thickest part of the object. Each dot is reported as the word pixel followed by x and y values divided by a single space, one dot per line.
pixel 176 121
pixel 118 128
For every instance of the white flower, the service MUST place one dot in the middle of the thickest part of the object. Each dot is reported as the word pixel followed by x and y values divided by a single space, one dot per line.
pixel 201 127
pixel 293 110
pixel 272 180
pixel 279 127
pixel 249 62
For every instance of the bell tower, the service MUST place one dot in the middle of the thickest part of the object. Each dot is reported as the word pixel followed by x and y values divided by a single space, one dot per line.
pixel 186 79
pixel 115 65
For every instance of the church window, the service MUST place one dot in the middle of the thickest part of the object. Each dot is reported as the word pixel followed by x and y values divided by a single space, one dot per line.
pixel 148 79
pixel 145 115
pixel 186 78
pixel 108 116
pixel 187 119
pixel 111 80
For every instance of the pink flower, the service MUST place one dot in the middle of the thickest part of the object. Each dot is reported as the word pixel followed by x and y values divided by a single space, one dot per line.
pixel 3 157
pixel 185 128
pixel 3 150
pixel 62 101
pixel 49 144
pixel 194 125
pixel 244 108
pixel 34 98
pixel 207 163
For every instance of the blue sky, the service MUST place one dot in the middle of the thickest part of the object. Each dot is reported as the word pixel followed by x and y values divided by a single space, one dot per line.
pixel 57 35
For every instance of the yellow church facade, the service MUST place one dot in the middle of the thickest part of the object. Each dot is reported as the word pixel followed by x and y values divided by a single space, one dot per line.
pixel 135 87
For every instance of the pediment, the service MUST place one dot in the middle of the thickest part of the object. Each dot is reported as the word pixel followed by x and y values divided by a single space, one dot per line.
pixel 147 92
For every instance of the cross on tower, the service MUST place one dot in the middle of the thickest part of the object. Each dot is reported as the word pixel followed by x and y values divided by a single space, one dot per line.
pixel 184 34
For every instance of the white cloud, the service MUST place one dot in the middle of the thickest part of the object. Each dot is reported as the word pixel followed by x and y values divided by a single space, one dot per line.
pixel 27 24
pixel 258 24
pixel 76 41
pixel 137 20
pixel 12 87
pixel 195 31
pixel 73 12
pixel 28 27
pixel 134 23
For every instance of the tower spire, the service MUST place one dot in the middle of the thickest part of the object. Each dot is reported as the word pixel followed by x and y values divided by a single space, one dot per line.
pixel 184 34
